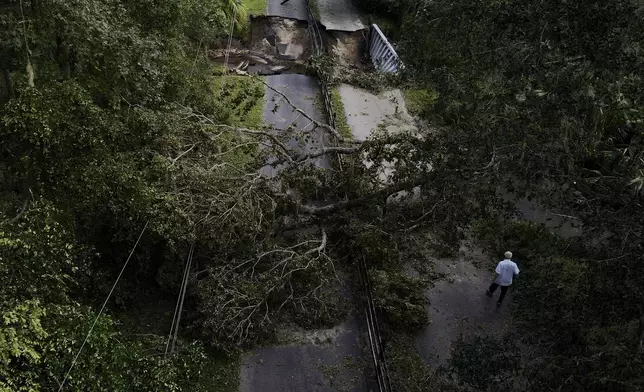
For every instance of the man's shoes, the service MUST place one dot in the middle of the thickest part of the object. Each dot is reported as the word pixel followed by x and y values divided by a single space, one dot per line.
pixel 487 292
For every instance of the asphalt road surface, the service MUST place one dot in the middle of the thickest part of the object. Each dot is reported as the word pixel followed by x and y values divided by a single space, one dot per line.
pixel 292 9
pixel 303 92
pixel 331 364
pixel 339 15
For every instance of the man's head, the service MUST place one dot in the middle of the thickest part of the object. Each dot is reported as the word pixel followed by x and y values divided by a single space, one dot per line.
pixel 508 255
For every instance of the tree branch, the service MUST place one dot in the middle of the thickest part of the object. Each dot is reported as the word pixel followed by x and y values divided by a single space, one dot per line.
pixel 21 212
pixel 334 132
pixel 347 204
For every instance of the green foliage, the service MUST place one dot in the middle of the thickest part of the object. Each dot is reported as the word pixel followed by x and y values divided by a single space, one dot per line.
pixel 560 289
pixel 106 140
pixel 39 257
pixel 527 241
pixel 401 300
pixel 382 7
pixel 340 115
pixel 419 101
pixel 529 66
pixel 40 355
pixel 560 299
pixel 11 42
pixel 255 7
pixel 41 327
pixel 543 96
pixel 246 98
pixel 221 375
pixel 21 330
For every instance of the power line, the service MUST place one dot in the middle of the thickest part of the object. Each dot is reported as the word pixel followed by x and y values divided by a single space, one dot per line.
pixel 183 297
pixel 62 384
pixel 178 309
pixel 230 37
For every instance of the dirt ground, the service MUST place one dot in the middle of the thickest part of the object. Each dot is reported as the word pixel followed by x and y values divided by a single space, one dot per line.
pixel 348 48
pixel 459 306
pixel 287 39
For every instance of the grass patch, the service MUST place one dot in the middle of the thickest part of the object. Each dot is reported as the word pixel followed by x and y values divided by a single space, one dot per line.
pixel 315 10
pixel 340 115
pixel 255 7
pixel 245 96
pixel 243 106
pixel 419 101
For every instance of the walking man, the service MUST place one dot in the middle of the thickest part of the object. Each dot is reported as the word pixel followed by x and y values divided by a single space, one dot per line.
pixel 505 271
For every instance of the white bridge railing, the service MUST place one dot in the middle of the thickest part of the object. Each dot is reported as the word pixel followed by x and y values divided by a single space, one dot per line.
pixel 383 55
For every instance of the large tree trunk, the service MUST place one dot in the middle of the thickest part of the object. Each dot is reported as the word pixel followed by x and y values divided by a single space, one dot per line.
pixel 7 82
pixel 63 52
pixel 35 12
pixel 63 57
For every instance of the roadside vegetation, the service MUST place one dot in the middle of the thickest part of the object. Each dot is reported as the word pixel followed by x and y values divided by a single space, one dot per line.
pixel 255 7
pixel 340 115
pixel 541 98
pixel 121 140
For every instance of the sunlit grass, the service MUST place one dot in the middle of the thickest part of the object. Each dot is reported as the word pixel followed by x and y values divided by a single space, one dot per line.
pixel 256 7
pixel 340 115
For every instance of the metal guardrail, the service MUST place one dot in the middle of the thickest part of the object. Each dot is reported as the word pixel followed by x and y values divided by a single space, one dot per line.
pixel 375 340
pixel 314 31
pixel 318 50
pixel 383 55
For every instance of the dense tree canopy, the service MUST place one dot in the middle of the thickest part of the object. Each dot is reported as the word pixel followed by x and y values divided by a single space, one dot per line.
pixel 95 113
pixel 113 118
pixel 548 94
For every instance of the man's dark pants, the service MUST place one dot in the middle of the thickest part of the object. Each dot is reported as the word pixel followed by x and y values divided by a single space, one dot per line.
pixel 504 291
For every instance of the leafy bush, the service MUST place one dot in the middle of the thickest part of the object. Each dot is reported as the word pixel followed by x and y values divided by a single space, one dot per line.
pixel 401 300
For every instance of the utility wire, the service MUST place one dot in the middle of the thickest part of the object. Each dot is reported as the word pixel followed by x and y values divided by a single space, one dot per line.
pixel 183 297
pixel 230 42
pixel 62 384
pixel 178 309
pixel 230 37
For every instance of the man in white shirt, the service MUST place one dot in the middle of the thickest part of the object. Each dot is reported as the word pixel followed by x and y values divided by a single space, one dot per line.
pixel 506 270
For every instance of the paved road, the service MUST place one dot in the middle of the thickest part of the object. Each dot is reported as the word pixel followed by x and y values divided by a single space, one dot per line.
pixel 303 92
pixel 366 113
pixel 459 307
pixel 339 15
pixel 293 9
pixel 330 365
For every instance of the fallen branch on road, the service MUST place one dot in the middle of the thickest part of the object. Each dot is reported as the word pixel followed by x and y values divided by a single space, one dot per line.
pixel 334 132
